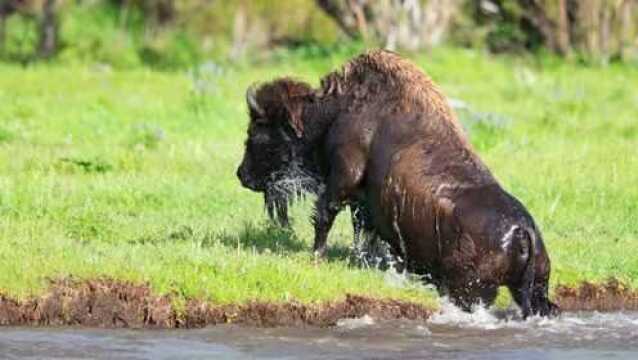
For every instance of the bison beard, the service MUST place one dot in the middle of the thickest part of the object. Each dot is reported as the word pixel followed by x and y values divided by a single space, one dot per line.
pixel 379 135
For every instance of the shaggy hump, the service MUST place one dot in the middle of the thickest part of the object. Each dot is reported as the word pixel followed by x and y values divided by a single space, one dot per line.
pixel 381 76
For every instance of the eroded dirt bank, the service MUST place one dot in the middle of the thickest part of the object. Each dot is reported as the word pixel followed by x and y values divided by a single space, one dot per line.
pixel 109 303
pixel 612 295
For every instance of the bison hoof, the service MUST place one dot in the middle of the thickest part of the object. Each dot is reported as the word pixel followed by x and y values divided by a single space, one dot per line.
pixel 547 309
pixel 552 309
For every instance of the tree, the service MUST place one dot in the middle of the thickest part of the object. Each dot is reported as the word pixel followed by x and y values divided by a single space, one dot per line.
pixel 597 29
pixel 48 31
pixel 408 24
pixel 42 11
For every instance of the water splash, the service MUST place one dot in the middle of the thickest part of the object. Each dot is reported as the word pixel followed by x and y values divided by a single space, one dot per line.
pixel 355 323
pixel 480 316
pixel 372 252
pixel 585 326
pixel 406 280
pixel 422 330
pixel 293 183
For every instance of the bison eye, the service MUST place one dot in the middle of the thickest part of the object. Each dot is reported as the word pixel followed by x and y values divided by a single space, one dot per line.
pixel 260 137
pixel 260 123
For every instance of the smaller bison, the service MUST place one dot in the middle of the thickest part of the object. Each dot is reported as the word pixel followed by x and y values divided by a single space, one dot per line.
pixel 379 133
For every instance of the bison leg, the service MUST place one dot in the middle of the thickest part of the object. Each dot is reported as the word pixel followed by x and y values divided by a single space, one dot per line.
pixel 325 213
pixel 341 185
pixel 282 212
pixel 277 208
pixel 467 299
pixel 361 219
pixel 368 248
pixel 523 299
pixel 358 221
pixel 540 302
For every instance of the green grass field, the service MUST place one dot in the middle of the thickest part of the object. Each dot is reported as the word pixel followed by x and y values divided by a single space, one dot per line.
pixel 131 175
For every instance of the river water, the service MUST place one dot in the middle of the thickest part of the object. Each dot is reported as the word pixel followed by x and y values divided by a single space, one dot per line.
pixel 451 334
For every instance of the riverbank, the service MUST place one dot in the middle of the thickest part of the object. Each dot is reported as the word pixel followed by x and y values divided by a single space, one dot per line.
pixel 107 303
pixel 130 175
pixel 113 304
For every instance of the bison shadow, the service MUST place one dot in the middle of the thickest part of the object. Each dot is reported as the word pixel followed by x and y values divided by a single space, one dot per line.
pixel 265 238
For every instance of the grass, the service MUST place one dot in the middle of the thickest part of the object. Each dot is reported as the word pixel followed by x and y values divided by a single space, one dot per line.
pixel 131 175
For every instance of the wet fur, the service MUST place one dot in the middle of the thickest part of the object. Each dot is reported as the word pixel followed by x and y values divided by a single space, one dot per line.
pixel 380 131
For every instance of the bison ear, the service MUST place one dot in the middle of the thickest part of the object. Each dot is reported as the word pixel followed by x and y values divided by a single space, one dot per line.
pixel 295 110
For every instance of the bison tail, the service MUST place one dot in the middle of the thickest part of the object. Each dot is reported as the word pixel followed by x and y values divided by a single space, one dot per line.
pixel 529 273
pixel 521 284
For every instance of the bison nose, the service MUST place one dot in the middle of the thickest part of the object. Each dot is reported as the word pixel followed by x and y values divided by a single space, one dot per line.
pixel 241 174
pixel 245 180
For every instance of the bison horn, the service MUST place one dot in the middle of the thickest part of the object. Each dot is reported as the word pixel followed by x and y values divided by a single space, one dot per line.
pixel 251 99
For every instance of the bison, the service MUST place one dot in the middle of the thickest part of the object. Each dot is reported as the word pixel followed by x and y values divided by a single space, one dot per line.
pixel 283 178
pixel 280 193
pixel 378 132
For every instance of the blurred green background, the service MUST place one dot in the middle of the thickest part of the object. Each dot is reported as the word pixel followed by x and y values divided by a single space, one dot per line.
pixel 174 34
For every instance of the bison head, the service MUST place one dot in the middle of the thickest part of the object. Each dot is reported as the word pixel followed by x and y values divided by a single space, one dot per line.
pixel 275 160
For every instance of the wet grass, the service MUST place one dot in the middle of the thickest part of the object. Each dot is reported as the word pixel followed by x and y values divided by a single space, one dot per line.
pixel 130 175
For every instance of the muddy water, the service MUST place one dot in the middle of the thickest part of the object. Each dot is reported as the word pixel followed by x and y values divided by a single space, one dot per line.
pixel 448 335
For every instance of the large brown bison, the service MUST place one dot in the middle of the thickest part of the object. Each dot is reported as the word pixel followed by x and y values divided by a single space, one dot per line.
pixel 380 133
